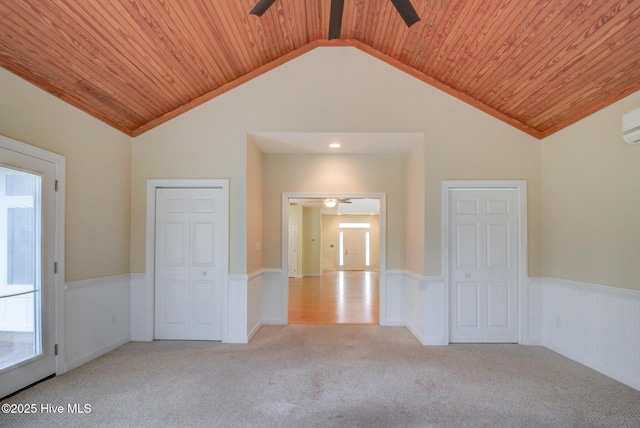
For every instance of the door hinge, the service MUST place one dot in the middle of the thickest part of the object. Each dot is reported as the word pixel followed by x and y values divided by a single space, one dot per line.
pixel 55 186
pixel 55 267
pixel 55 349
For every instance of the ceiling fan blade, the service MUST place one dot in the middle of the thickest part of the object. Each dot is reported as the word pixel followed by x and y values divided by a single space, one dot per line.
pixel 406 11
pixel 261 7
pixel 335 19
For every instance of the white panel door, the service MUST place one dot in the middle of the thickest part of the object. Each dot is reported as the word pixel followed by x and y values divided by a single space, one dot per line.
pixel 483 245
pixel 27 279
pixel 353 249
pixel 189 272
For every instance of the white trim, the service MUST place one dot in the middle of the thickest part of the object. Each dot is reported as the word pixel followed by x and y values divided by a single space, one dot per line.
pixel 262 271
pixel 595 325
pixel 382 239
pixel 104 280
pixel 152 185
pixel 521 187
pixel 60 166
pixel 592 288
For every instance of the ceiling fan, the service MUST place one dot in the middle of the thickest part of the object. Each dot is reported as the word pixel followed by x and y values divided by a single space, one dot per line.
pixel 404 8
pixel 327 202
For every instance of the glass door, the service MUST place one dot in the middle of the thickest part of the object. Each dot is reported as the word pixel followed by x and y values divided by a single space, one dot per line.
pixel 20 276
pixel 27 278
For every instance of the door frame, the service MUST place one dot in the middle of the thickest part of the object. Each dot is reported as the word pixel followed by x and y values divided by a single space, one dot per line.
pixel 520 186
pixel 150 281
pixel 60 167
pixel 363 249
pixel 295 227
pixel 285 242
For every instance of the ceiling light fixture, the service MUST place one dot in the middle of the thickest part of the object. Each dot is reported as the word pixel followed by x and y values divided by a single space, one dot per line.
pixel 334 145
pixel 330 203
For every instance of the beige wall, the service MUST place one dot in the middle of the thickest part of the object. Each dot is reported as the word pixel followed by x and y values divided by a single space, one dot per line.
pixel 98 172
pixel 343 90
pixel 480 153
pixel 335 174
pixel 591 202
pixel 330 232
pixel 327 89
pixel 254 207
pixel 416 209
pixel 582 181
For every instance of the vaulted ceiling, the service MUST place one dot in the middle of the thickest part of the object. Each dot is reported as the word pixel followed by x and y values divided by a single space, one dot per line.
pixel 537 65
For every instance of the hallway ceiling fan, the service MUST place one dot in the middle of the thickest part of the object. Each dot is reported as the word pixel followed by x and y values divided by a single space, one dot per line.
pixel 404 8
pixel 327 202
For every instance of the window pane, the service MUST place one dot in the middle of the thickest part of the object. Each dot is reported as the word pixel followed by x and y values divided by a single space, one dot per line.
pixel 354 225
pixel 18 333
pixel 21 235
pixel 20 260
pixel 20 185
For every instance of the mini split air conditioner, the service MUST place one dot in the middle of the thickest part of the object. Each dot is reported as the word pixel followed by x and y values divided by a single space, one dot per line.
pixel 631 126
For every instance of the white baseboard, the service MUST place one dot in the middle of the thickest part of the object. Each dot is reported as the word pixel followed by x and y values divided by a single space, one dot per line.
pixel 595 325
pixel 95 354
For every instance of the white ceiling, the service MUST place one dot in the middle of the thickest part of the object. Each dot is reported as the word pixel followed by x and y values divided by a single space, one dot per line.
pixel 357 206
pixel 351 142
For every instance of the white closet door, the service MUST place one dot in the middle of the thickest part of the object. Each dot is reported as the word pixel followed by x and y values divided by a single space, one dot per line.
pixel 483 242
pixel 189 274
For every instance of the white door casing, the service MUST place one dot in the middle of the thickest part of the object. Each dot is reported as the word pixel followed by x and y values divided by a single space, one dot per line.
pixel 293 250
pixel 189 276
pixel 484 260
pixel 49 227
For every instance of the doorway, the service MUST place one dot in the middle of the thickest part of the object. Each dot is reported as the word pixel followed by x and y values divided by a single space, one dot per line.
pixel 329 291
pixel 29 223
pixel 485 259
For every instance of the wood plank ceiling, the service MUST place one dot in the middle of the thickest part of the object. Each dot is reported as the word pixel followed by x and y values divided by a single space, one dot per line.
pixel 537 65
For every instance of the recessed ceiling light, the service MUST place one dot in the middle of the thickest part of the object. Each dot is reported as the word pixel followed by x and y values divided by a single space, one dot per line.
pixel 334 145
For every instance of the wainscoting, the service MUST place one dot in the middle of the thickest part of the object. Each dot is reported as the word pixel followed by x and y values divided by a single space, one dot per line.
pixel 97 318
pixel 595 325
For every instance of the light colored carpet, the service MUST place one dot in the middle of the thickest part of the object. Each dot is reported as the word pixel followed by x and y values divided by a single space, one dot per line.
pixel 332 376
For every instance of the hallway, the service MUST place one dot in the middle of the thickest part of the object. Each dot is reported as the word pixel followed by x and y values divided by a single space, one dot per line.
pixel 338 297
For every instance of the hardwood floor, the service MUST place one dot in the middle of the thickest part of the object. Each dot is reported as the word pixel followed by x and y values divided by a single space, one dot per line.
pixel 349 297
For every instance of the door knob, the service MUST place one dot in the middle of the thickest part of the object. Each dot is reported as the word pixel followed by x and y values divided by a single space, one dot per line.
pixel 467 275
pixel 204 273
